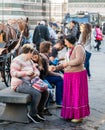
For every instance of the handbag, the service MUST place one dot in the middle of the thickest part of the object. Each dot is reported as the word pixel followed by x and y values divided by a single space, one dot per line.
pixel 99 34
pixel 39 84
pixel 99 38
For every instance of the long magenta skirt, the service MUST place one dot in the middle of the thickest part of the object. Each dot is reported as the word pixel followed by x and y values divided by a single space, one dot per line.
pixel 75 103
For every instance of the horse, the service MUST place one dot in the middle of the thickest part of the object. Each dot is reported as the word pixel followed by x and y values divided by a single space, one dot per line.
pixel 18 24
pixel 10 33
pixel 9 40
pixel 22 27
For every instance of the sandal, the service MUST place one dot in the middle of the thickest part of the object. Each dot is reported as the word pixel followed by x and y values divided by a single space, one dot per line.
pixel 77 120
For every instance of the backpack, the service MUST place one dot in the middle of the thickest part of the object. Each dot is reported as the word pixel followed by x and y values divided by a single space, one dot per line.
pixel 98 34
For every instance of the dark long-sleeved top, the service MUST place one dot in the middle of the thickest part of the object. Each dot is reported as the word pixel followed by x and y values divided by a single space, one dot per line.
pixel 41 31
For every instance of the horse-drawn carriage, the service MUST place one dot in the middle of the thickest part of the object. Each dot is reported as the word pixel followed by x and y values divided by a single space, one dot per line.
pixel 10 42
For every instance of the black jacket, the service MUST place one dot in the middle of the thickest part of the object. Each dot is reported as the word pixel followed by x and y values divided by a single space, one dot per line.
pixel 41 31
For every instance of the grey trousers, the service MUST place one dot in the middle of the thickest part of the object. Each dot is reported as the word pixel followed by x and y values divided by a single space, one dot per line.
pixel 38 98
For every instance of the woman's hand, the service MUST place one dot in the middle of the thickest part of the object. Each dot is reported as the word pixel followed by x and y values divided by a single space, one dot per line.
pixel 52 68
pixel 30 73
pixel 61 75
pixel 65 64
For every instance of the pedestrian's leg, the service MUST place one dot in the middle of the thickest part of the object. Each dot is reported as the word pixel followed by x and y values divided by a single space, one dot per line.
pixel 98 46
pixel 87 63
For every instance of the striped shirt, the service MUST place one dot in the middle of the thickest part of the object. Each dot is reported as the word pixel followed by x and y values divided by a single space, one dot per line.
pixel 19 67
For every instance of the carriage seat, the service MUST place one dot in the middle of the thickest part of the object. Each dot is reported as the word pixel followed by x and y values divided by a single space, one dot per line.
pixel 16 107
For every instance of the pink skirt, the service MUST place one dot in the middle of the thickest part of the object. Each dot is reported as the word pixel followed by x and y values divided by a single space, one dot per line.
pixel 75 103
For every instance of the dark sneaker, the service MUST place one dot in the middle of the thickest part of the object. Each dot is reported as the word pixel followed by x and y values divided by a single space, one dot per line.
pixel 47 112
pixel 41 117
pixel 35 119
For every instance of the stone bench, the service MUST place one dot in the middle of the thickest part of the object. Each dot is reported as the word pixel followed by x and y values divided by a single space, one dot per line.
pixel 16 105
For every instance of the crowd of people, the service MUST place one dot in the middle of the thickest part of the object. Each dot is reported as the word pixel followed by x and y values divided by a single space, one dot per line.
pixel 38 65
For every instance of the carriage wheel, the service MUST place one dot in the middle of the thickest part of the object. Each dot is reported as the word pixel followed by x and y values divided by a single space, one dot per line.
pixel 6 72
pixel 7 77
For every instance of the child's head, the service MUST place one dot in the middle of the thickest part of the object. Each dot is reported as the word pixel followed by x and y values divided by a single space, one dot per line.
pixel 35 56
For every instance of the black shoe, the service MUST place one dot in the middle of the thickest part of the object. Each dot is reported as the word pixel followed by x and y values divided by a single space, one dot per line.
pixel 35 119
pixel 47 112
pixel 41 117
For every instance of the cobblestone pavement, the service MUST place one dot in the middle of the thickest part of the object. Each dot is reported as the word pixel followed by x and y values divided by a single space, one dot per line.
pixel 96 120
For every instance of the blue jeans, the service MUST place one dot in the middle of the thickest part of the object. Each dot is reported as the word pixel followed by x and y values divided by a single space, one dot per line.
pixel 87 63
pixel 38 98
pixel 58 82
pixel 49 85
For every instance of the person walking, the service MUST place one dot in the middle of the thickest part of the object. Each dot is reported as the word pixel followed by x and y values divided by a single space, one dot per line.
pixel 85 40
pixel 41 33
pixel 75 105
pixel 98 37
